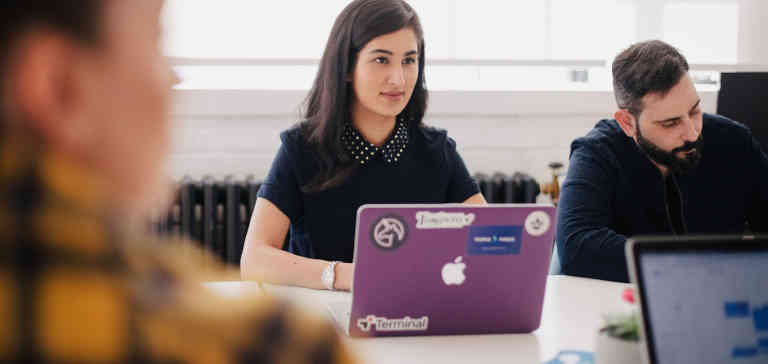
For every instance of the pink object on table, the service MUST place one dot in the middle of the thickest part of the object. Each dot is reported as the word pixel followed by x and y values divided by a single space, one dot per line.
pixel 628 295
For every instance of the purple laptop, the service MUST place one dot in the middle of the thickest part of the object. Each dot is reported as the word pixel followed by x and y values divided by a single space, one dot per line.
pixel 448 269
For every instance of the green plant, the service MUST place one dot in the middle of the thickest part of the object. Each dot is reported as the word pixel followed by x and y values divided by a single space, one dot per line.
pixel 624 327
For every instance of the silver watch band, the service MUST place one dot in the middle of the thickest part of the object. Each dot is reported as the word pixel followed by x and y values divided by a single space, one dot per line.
pixel 329 276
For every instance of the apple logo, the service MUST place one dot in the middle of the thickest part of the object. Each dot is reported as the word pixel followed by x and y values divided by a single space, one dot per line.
pixel 453 273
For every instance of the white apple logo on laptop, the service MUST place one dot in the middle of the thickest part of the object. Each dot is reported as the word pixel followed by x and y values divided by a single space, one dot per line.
pixel 453 273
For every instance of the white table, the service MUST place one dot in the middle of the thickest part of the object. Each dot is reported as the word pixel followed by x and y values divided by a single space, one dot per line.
pixel 573 313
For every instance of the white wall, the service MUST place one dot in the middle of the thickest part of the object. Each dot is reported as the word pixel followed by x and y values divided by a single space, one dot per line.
pixel 753 48
pixel 495 131
pixel 242 146
pixel 222 132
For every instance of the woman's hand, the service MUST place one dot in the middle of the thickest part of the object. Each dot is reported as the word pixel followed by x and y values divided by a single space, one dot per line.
pixel 344 273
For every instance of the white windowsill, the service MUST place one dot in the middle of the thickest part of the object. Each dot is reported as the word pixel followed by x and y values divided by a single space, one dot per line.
pixel 250 103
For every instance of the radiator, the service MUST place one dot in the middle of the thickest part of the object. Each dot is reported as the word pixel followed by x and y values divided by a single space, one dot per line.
pixel 216 213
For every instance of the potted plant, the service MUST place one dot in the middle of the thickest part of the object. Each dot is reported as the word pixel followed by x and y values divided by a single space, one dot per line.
pixel 618 341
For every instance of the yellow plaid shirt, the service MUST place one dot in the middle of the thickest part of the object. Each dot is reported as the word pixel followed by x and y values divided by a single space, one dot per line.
pixel 76 288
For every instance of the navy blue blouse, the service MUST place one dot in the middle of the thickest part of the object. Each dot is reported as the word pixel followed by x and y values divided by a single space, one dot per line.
pixel 429 170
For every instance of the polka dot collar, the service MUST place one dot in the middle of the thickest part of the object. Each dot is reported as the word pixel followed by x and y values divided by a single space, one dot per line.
pixel 364 152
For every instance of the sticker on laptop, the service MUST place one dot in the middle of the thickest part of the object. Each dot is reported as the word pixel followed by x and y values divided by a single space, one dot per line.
pixel 453 272
pixel 573 357
pixel 443 220
pixel 495 240
pixel 537 223
pixel 383 324
pixel 389 232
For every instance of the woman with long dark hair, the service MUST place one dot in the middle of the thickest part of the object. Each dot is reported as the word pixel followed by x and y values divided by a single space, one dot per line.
pixel 362 141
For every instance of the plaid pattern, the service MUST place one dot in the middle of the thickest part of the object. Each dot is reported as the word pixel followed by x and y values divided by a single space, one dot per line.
pixel 76 288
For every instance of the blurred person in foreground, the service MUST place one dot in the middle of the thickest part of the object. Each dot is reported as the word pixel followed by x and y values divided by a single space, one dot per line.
pixel 84 130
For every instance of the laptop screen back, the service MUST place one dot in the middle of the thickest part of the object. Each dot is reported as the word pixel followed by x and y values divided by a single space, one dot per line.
pixel 705 305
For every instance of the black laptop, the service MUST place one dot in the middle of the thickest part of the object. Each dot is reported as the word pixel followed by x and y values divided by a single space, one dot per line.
pixel 702 299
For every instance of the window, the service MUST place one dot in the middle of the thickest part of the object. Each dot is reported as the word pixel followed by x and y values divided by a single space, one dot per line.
pixel 249 28
pixel 471 44
pixel 704 32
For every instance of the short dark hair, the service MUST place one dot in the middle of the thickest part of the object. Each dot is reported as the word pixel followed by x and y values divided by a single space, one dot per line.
pixel 77 19
pixel 646 67
pixel 328 106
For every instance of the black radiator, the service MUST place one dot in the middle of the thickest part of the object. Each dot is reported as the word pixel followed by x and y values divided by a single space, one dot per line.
pixel 216 213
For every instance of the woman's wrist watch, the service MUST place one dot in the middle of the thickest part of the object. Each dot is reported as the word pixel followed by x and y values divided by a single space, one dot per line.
pixel 329 276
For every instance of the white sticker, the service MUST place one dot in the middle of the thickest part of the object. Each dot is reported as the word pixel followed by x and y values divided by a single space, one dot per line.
pixel 389 232
pixel 537 223
pixel 443 220
pixel 406 323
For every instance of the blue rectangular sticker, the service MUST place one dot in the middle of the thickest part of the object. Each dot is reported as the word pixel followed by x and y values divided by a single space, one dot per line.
pixel 744 352
pixel 761 318
pixel 495 240
pixel 737 309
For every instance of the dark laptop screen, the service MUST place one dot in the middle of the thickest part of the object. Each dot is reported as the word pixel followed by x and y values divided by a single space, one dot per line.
pixel 706 306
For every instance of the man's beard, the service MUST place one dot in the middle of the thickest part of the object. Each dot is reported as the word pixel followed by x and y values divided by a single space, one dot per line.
pixel 670 159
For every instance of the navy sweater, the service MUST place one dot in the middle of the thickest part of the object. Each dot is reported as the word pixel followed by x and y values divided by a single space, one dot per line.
pixel 323 223
pixel 613 192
